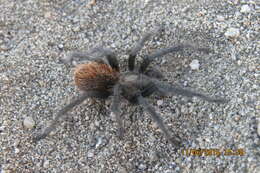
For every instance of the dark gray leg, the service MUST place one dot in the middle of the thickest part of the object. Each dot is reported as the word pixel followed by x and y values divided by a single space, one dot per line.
pixel 95 54
pixel 77 56
pixel 111 58
pixel 139 45
pixel 64 110
pixel 153 73
pixel 173 89
pixel 149 58
pixel 158 120
pixel 115 108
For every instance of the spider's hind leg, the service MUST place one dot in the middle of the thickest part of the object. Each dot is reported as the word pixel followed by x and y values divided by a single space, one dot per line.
pixel 65 109
pixel 167 89
pixel 176 140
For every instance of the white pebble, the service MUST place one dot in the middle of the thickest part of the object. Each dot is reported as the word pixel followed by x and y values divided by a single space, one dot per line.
pixel 142 166
pixel 220 18
pixel 2 128
pixel 195 65
pixel 245 9
pixel 46 164
pixel 90 154
pixel 112 115
pixel 76 29
pixel 258 127
pixel 232 32
pixel 99 142
pixel 28 122
pixel 146 2
pixel 159 102
pixel 60 46
pixel 16 150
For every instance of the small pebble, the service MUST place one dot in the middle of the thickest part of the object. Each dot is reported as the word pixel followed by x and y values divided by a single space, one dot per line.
pixel 245 9
pixel 97 123
pixel 220 18
pixel 112 115
pixel 142 166
pixel 195 65
pixel 60 46
pixel 258 127
pixel 154 156
pixel 48 15
pixel 16 150
pixel 99 142
pixel 122 170
pixel 232 33
pixel 76 29
pixel 239 62
pixel 46 164
pixel 1 129
pixel 28 122
pixel 159 102
pixel 90 154
pixel 146 2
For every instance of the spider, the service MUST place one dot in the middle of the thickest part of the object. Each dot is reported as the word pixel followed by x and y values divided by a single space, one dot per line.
pixel 101 78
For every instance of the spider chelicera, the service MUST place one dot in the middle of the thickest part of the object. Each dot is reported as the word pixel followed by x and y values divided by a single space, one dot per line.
pixel 101 78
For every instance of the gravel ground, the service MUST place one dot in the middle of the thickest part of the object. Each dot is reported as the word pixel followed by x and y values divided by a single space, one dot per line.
pixel 34 85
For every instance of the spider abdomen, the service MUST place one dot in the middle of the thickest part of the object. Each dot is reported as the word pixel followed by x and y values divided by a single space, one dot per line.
pixel 95 76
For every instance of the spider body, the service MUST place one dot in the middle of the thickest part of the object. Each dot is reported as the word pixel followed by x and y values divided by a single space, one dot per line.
pixel 132 85
pixel 102 79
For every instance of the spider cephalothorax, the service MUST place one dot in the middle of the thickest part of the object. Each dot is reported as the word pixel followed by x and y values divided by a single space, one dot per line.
pixel 101 78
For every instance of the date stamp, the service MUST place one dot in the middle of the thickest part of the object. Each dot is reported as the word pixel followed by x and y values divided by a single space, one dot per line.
pixel 213 152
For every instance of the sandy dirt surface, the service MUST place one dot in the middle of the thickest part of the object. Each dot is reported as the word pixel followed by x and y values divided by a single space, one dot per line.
pixel 34 85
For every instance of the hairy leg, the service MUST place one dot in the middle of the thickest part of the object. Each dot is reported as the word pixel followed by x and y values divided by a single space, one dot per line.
pixel 110 57
pixel 166 89
pixel 154 73
pixel 115 108
pixel 139 45
pixel 158 120
pixel 149 58
pixel 64 110
pixel 77 56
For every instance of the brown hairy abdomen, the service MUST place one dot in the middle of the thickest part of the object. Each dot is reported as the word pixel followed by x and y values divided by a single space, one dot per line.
pixel 95 76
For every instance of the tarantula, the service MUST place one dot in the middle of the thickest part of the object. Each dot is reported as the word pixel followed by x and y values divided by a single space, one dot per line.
pixel 101 78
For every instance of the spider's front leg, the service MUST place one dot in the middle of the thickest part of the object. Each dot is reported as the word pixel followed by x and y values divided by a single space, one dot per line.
pixel 149 58
pixel 139 45
pixel 94 54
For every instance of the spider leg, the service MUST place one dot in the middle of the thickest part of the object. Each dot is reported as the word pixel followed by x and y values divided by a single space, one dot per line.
pixel 166 89
pixel 139 45
pixel 63 112
pixel 115 108
pixel 77 56
pixel 149 58
pixel 154 73
pixel 158 120
pixel 148 87
pixel 110 57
